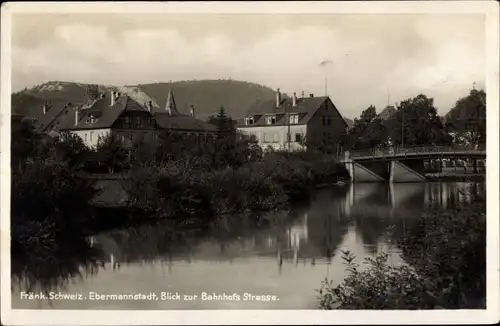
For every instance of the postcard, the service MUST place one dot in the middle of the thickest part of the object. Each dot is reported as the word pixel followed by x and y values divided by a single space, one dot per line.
pixel 249 162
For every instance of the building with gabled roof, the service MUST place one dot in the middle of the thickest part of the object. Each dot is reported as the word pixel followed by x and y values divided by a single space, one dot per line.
pixel 121 116
pixel 291 124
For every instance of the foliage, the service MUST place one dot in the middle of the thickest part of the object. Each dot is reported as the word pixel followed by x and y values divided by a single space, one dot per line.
pixel 70 148
pixel 179 187
pixel 446 267
pixel 48 203
pixel 111 153
pixel 449 248
pixel 368 131
pixel 422 126
pixel 378 286
pixel 467 119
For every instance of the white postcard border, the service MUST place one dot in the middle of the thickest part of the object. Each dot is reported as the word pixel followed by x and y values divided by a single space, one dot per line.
pixel 129 317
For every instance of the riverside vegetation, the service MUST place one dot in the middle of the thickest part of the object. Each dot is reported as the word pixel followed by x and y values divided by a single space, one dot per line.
pixel 445 267
pixel 51 199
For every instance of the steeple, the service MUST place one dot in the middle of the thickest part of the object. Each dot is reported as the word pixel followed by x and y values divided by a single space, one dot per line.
pixel 170 106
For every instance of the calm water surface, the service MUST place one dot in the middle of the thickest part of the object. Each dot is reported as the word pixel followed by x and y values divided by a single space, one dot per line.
pixel 287 256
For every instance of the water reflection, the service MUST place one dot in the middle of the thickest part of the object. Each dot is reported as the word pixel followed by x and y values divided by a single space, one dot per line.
pixel 284 253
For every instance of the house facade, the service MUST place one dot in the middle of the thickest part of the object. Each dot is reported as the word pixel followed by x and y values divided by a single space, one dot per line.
pixel 123 117
pixel 294 124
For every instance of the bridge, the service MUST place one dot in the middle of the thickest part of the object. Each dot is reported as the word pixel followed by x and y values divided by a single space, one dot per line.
pixel 410 164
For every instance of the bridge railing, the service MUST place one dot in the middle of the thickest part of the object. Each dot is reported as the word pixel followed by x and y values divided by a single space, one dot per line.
pixel 398 151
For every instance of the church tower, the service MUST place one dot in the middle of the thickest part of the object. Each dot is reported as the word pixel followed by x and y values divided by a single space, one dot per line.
pixel 170 106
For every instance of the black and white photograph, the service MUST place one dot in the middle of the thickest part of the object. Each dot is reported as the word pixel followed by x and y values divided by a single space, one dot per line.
pixel 308 160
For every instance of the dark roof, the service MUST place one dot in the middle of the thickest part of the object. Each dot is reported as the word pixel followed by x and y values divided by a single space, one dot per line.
pixel 53 110
pixel 306 107
pixel 104 114
pixel 61 115
pixel 182 122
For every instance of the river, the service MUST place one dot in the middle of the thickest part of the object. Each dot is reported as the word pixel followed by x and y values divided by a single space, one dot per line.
pixel 287 255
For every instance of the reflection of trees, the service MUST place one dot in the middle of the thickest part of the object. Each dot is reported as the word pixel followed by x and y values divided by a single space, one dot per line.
pixel 55 267
pixel 371 227
pixel 145 243
pixel 327 225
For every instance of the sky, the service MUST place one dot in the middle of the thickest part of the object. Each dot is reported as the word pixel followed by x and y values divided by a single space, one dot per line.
pixel 373 59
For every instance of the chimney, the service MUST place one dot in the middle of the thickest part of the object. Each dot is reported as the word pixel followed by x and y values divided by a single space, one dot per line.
pixel 302 93
pixel 311 95
pixel 77 117
pixel 278 98
pixel 103 95
pixel 113 94
pixel 44 108
pixel 169 111
pixel 294 99
pixel 192 110
pixel 150 106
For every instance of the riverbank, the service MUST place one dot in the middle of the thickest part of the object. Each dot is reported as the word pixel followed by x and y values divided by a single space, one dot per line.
pixel 445 267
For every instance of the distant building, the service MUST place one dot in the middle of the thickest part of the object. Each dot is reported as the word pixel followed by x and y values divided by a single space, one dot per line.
pixel 311 121
pixel 121 116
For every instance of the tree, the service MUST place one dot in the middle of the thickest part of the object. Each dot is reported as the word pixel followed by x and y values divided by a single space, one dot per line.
pixel 416 123
pixel 368 131
pixel 71 149
pixel 112 154
pixel 24 141
pixel 467 119
pixel 226 126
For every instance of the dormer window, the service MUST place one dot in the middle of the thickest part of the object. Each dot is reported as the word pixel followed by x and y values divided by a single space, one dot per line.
pixel 294 118
pixel 92 119
pixel 249 120
pixel 271 120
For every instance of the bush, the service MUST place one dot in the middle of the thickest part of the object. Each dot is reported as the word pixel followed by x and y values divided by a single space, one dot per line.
pixel 446 257
pixel 449 248
pixel 379 286
pixel 187 186
pixel 48 203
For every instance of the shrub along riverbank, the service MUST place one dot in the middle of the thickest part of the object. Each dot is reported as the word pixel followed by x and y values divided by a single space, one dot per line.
pixel 445 256
pixel 179 189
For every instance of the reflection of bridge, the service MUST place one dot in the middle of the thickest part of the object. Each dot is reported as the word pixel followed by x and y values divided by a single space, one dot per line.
pixel 405 164
pixel 380 198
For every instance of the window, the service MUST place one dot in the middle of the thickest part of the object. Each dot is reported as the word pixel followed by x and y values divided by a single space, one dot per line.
pixel 91 134
pixel 150 120
pixel 328 121
pixel 249 121
pixel 298 137
pixel 323 120
pixel 127 120
pixel 137 121
pixel 294 119
pixel 271 120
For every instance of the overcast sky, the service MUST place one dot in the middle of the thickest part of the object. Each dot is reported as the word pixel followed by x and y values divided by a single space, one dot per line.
pixel 438 55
